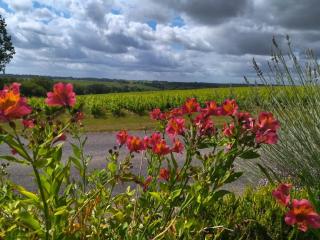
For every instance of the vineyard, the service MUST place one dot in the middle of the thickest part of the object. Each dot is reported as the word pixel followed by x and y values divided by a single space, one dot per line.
pixel 141 102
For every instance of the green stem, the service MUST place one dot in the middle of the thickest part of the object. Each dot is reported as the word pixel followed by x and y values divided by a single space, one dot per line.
pixel 45 205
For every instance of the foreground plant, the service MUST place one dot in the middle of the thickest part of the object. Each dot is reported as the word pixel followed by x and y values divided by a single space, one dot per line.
pixel 183 169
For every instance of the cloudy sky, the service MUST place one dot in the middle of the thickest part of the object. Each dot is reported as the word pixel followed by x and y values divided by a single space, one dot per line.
pixel 175 40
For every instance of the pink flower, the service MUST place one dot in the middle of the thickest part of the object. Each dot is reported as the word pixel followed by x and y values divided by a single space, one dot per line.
pixel 191 106
pixel 212 109
pixel 153 140
pixel 164 174
pixel 156 114
pixel 282 194
pixel 12 105
pixel 267 121
pixel 228 130
pixel 146 183
pixel 177 146
pixel 28 123
pixel 62 95
pixel 175 127
pixel 204 124
pixel 135 144
pixel 229 107
pixel 161 148
pixel 175 112
pixel 267 137
pixel 246 121
pixel 303 215
pixel 122 137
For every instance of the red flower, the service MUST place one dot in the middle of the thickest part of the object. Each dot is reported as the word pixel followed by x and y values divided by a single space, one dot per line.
pixel 153 140
pixel 228 131
pixel 229 107
pixel 156 114
pixel 164 174
pixel 303 214
pixel 12 105
pixel 204 124
pixel 161 148
pixel 28 123
pixel 267 127
pixel 175 112
pixel 122 137
pixel 190 106
pixel 62 95
pixel 245 120
pixel 212 109
pixel 135 144
pixel 282 194
pixel 146 183
pixel 175 126
pixel 267 137
pixel 267 121
pixel 177 146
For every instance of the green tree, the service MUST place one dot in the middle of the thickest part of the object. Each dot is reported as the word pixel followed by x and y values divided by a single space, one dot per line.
pixel 6 48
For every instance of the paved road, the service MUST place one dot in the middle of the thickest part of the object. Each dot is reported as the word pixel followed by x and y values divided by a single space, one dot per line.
pixel 97 146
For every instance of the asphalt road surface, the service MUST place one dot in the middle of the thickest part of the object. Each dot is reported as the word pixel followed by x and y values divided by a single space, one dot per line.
pixel 97 146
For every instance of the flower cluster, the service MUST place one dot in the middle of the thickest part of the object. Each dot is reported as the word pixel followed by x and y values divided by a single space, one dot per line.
pixel 156 143
pixel 300 212
pixel 12 105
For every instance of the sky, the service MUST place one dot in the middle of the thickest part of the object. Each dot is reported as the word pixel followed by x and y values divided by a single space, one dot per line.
pixel 172 40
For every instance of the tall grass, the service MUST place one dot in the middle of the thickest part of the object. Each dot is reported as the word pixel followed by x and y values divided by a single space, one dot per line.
pixel 297 106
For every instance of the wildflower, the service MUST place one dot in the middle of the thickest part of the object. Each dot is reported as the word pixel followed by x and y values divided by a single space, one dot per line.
pixel 28 123
pixel 153 140
pixel 175 126
pixel 267 127
pixel 267 121
pixel 229 107
pixel 303 215
pixel 267 137
pixel 190 106
pixel 175 112
pixel 12 105
pixel 228 131
pixel 177 146
pixel 147 182
pixel 156 114
pixel 282 193
pixel 135 144
pixel 161 148
pixel 62 95
pixel 204 124
pixel 164 174
pixel 212 109
pixel 245 120
pixel 122 137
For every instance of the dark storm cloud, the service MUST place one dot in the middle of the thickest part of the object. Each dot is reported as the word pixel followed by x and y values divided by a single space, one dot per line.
pixel 291 14
pixel 209 12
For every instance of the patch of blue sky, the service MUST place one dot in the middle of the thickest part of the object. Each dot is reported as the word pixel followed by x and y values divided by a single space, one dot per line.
pixel 5 6
pixel 63 13
pixel 153 24
pixel 177 22
pixel 115 11
pixel 177 47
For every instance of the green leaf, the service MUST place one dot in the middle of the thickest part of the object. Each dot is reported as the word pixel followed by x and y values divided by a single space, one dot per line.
pixel 156 196
pixel 176 193
pixel 13 159
pixel 76 151
pixel 112 167
pixel 219 194
pixel 26 193
pixel 30 221
pixel 249 155
pixel 61 210
pixel 76 162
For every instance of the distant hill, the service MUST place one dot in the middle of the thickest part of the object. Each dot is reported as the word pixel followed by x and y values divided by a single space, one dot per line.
pixel 34 85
